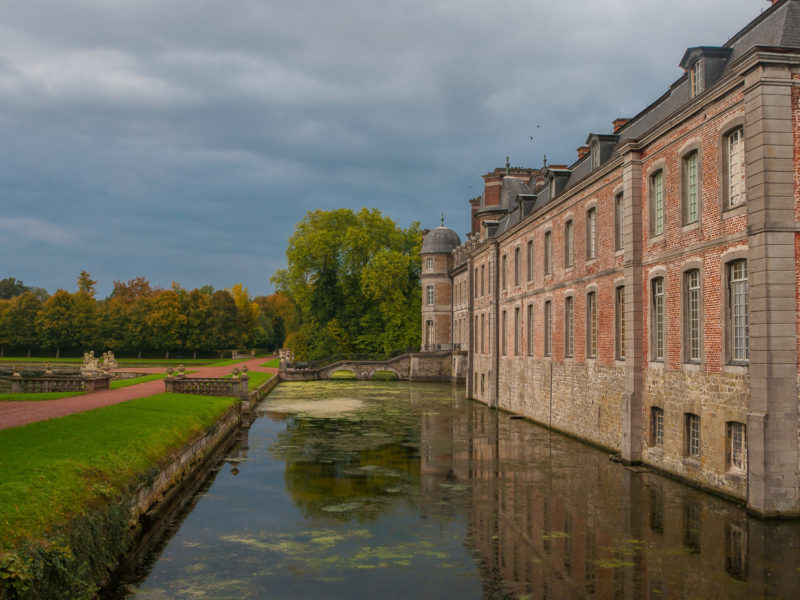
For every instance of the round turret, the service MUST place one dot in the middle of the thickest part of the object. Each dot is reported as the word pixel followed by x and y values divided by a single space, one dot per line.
pixel 440 240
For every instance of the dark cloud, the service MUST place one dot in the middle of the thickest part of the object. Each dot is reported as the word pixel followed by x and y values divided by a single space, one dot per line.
pixel 181 140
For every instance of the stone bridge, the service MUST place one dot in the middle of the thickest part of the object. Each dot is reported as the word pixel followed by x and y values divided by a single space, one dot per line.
pixel 412 366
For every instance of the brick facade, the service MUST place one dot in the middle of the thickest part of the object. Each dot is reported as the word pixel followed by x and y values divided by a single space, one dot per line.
pixel 680 229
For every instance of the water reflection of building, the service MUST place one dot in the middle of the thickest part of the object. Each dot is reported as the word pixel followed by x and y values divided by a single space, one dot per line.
pixel 552 518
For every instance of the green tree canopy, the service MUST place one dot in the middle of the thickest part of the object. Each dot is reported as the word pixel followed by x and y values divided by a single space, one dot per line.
pixel 354 277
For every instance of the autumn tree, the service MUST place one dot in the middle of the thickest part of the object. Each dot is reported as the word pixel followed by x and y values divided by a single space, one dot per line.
pixel 18 324
pixel 222 320
pixel 198 312
pixel 166 321
pixel 56 324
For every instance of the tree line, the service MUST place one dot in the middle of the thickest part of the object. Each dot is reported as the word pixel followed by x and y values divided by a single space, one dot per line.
pixel 139 318
pixel 354 278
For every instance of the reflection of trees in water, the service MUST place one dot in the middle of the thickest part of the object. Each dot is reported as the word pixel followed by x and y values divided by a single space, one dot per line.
pixel 348 467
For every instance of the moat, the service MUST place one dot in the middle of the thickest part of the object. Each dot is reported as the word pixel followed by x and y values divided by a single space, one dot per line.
pixel 395 490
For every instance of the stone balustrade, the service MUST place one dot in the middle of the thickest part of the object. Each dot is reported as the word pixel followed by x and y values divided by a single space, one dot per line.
pixel 235 386
pixel 237 355
pixel 58 383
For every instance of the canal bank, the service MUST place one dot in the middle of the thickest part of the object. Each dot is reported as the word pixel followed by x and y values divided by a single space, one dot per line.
pixel 70 558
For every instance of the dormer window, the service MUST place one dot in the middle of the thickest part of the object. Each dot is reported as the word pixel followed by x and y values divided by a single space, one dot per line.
pixel 595 155
pixel 696 78
pixel 552 187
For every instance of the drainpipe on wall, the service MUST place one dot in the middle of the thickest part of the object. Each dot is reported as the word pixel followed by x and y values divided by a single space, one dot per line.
pixel 495 279
pixel 470 328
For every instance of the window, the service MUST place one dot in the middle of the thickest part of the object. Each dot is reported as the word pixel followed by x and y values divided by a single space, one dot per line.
pixel 657 216
pixel 429 292
pixel 475 335
pixel 692 305
pixel 429 333
pixel 692 435
pixel 591 325
pixel 548 252
pixel 657 320
pixel 619 314
pixel 552 187
pixel 739 325
pixel 568 244
pixel 504 271
pixel 429 263
pixel 548 328
pixel 696 78
pixel 619 219
pixel 503 333
pixel 735 446
pixel 734 167
pixel 517 331
pixel 483 280
pixel 595 155
pixel 568 327
pixel 516 266
pixel 530 260
pixel 656 426
pixel 483 333
pixel 691 189
pixel 591 233
pixel 475 282
pixel 530 329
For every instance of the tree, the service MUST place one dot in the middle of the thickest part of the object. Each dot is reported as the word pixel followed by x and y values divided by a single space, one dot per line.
pixel 337 260
pixel 281 313
pixel 86 284
pixel 10 287
pixel 247 317
pixel 56 322
pixel 19 321
pixel 166 321
pixel 222 320
pixel 198 312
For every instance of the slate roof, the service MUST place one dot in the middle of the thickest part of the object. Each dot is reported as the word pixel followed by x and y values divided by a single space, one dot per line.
pixel 778 25
pixel 440 240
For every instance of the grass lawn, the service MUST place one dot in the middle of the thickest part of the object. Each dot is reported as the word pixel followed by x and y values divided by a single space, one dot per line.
pixel 39 359
pixel 39 396
pixel 275 362
pixel 53 470
pixel 256 379
pixel 121 383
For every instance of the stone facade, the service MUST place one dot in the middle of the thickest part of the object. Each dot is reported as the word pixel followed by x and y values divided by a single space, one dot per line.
pixel 645 297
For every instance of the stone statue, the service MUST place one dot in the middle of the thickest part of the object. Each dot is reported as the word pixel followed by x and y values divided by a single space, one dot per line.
pixel 90 364
pixel 109 362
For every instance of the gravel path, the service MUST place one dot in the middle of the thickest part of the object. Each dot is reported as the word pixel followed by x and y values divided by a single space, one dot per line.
pixel 14 414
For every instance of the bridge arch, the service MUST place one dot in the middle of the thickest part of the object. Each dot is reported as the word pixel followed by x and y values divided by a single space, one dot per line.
pixel 329 373
pixel 397 374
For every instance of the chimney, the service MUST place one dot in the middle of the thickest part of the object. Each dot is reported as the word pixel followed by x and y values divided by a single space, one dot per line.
pixel 619 124
pixel 583 151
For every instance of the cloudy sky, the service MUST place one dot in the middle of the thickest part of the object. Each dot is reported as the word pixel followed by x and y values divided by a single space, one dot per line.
pixel 181 140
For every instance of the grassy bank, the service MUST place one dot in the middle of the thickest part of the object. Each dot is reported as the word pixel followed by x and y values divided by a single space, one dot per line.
pixel 274 363
pixel 62 481
pixel 37 396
